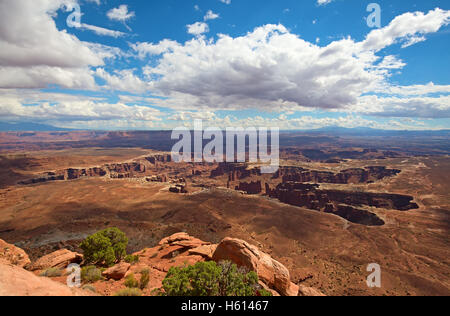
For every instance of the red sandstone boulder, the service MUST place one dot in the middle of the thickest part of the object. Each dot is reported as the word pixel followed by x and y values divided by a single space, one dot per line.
pixel 183 240
pixel 117 272
pixel 192 243
pixel 15 281
pixel 58 259
pixel 174 238
pixel 13 254
pixel 206 251
pixel 265 287
pixel 269 271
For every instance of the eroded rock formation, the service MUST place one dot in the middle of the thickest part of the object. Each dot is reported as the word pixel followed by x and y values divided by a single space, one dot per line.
pixel 178 188
pixel 177 250
pixel 250 187
pixel 379 200
pixel 349 176
pixel 140 168
pixel 58 259
pixel 13 254
pixel 15 281
pixel 340 202
pixel 358 216
pixel 302 194
pixel 272 273
pixel 159 158
pixel 235 171
pixel 157 178
pixel 117 272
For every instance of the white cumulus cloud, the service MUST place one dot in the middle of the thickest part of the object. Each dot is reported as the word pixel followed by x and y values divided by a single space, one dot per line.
pixel 273 69
pixel 198 28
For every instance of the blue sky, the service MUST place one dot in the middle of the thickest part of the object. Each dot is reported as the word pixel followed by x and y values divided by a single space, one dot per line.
pixel 287 63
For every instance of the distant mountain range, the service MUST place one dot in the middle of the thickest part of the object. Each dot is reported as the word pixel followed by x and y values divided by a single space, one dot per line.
pixel 29 127
pixel 330 130
pixel 367 131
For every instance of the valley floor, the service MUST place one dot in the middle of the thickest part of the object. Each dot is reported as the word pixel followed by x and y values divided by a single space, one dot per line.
pixel 321 250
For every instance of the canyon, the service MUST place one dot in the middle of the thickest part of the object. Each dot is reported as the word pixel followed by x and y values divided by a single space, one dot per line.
pixel 291 190
pixel 340 202
pixel 356 175
pixel 139 168
pixel 324 218
pixel 300 187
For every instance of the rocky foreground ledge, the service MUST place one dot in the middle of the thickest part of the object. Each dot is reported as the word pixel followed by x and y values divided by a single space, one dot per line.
pixel 177 250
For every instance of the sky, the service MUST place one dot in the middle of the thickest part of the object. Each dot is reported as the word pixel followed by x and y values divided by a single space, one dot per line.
pixel 152 65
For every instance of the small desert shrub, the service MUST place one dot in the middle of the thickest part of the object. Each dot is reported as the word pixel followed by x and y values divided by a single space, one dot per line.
pixel 264 293
pixel 105 247
pixel 131 282
pixel 145 279
pixel 211 279
pixel 131 259
pixel 89 287
pixel 52 273
pixel 129 292
pixel 91 274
